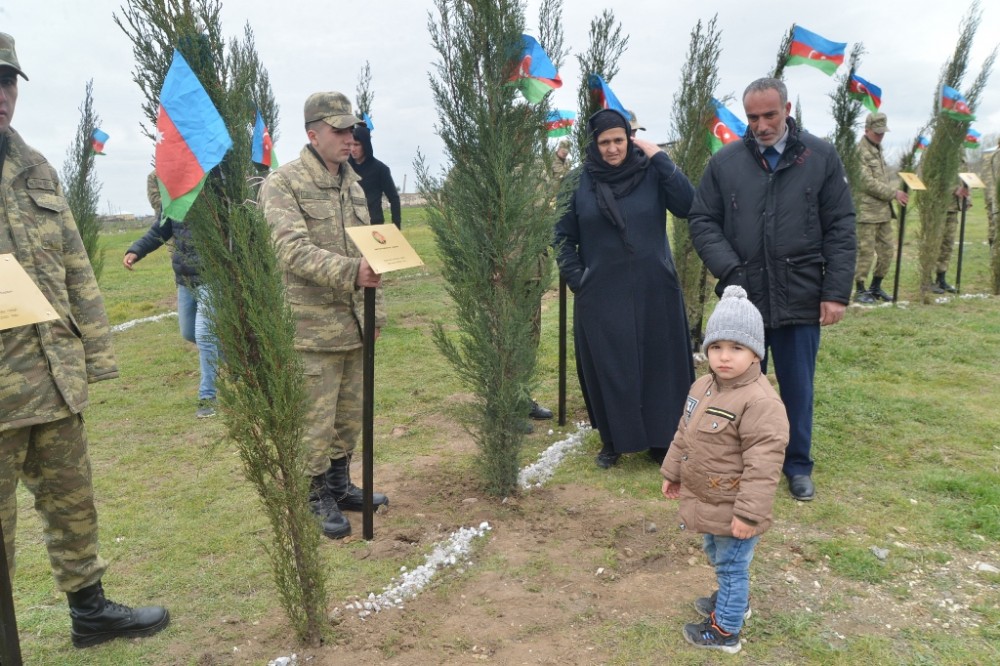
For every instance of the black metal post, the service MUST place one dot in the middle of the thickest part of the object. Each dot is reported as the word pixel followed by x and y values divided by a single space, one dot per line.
pixel 562 350
pixel 10 643
pixel 899 246
pixel 961 246
pixel 368 414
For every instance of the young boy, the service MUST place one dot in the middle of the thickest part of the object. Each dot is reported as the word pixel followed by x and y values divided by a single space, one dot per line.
pixel 725 462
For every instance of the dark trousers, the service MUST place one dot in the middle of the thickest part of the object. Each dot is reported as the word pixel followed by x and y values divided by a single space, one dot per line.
pixel 793 350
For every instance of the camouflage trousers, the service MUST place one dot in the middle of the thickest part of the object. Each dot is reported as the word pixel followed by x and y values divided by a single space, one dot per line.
pixel 51 460
pixel 333 413
pixel 947 241
pixel 875 242
pixel 992 213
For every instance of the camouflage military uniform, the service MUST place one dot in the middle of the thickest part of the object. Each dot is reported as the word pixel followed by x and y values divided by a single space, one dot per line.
pixel 950 227
pixel 307 208
pixel 875 213
pixel 46 368
pixel 991 176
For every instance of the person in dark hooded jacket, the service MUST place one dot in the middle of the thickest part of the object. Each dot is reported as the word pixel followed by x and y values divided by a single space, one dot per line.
pixel 376 179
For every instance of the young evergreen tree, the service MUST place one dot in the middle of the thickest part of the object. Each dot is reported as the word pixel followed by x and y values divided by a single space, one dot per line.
pixel 550 31
pixel 607 44
pixel 693 113
pixel 365 95
pixel 492 219
pixel 83 190
pixel 782 58
pixel 942 159
pixel 847 113
pixel 261 387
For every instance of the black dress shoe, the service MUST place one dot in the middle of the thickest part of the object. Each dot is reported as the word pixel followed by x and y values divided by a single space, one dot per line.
pixel 607 460
pixel 801 487
pixel 539 413
pixel 657 454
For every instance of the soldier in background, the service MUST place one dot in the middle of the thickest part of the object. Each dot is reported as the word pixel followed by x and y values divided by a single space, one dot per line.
pixel 44 372
pixel 634 123
pixel 960 199
pixel 560 165
pixel 991 176
pixel 875 212
pixel 307 204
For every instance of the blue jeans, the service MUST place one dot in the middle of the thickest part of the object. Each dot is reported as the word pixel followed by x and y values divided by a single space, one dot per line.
pixel 193 316
pixel 731 558
pixel 794 349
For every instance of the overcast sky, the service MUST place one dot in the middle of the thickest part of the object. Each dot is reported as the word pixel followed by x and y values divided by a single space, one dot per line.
pixel 312 45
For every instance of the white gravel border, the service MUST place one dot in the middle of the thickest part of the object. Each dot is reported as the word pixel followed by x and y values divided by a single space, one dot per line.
pixel 118 328
pixel 540 471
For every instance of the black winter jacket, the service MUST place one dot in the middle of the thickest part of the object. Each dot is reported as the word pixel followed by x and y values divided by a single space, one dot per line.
pixel 376 179
pixel 787 237
pixel 184 259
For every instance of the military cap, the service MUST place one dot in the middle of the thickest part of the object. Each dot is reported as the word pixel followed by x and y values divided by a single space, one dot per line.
pixel 8 56
pixel 333 108
pixel 634 122
pixel 877 122
pixel 564 145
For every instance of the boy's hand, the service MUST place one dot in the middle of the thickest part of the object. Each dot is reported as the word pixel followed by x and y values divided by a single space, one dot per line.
pixel 740 529
pixel 671 490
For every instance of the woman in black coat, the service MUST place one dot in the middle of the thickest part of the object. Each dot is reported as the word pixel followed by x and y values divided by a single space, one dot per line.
pixel 630 327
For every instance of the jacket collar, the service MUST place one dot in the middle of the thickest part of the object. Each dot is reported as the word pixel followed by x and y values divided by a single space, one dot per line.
pixel 321 175
pixel 20 156
pixel 748 377
pixel 792 145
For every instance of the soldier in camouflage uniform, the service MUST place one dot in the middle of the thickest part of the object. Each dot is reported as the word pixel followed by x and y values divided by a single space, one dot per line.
pixel 875 212
pixel 991 176
pixel 307 204
pixel 560 165
pixel 960 198
pixel 44 372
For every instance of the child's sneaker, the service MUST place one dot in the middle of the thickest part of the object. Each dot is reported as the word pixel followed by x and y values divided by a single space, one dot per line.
pixel 206 408
pixel 707 634
pixel 706 606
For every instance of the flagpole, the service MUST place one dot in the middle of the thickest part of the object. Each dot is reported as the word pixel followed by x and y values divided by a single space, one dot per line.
pixel 367 415
pixel 10 645
pixel 899 247
pixel 562 350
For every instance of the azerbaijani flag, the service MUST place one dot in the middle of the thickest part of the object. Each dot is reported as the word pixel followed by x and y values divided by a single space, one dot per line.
pixel 601 93
pixel 972 138
pixel 954 105
pixel 97 139
pixel 535 75
pixel 261 146
pixel 368 122
pixel 559 123
pixel 191 139
pixel 808 48
pixel 724 127
pixel 867 93
pixel 922 143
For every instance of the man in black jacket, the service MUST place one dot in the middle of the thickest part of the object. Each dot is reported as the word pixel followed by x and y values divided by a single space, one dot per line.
pixel 773 214
pixel 376 179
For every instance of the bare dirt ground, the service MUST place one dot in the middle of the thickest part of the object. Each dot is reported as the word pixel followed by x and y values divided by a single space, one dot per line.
pixel 565 562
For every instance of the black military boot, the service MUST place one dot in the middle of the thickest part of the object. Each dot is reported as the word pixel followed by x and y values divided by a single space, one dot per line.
pixel 861 294
pixel 876 291
pixel 347 495
pixel 96 620
pixel 321 501
pixel 944 284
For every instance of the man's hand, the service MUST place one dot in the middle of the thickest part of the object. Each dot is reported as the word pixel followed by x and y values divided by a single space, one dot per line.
pixel 366 276
pixel 128 261
pixel 830 312
pixel 902 197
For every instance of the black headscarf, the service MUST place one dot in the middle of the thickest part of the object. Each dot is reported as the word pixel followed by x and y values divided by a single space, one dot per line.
pixel 613 182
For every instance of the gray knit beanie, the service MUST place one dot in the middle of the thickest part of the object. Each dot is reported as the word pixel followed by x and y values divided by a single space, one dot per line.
pixel 736 319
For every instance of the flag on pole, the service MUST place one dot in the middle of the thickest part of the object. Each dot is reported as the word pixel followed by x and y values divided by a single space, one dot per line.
pixel 368 122
pixel 724 127
pixel 808 48
pixel 97 139
pixel 972 138
pixel 262 148
pixel 535 75
pixel 867 93
pixel 601 93
pixel 559 123
pixel 954 105
pixel 922 143
pixel 191 139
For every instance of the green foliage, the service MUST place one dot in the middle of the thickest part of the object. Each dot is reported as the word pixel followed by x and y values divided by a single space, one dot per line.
pixel 261 386
pixel 607 44
pixel 83 191
pixel 846 114
pixel 782 58
pixel 550 31
pixel 365 95
pixel 693 110
pixel 492 220
pixel 942 159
